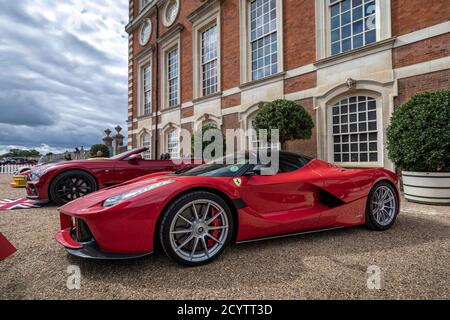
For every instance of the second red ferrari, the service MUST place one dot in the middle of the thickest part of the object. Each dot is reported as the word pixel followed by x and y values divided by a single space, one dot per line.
pixel 66 181
pixel 194 215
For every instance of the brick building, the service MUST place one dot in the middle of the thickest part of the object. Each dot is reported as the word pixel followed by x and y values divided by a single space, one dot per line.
pixel 348 62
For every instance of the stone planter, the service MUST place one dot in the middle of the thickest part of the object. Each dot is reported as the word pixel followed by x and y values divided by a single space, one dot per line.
pixel 427 187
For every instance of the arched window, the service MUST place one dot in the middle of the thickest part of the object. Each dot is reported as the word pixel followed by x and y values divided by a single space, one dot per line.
pixel 146 142
pixel 354 131
pixel 173 144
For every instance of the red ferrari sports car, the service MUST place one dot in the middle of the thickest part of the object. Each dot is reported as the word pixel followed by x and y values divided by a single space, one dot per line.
pixel 193 215
pixel 63 182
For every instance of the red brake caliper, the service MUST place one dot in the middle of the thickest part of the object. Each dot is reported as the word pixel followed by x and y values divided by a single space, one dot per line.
pixel 216 223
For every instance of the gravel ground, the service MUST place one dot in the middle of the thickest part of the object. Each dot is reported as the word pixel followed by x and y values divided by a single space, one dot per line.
pixel 413 257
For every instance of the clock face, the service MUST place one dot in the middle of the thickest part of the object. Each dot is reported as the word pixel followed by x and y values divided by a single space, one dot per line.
pixel 146 32
pixel 172 11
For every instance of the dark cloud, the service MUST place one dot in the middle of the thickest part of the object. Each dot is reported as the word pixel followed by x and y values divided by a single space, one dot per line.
pixel 64 71
pixel 25 110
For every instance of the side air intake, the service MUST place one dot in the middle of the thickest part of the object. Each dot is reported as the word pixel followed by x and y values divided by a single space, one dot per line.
pixel 329 200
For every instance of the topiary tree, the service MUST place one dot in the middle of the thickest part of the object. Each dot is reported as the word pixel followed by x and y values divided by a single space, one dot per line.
pixel 99 147
pixel 419 133
pixel 290 118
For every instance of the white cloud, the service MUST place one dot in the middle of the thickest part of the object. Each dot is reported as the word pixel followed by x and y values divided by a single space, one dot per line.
pixel 64 71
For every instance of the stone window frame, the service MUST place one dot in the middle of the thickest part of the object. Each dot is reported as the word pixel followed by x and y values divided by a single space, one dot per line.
pixel 166 47
pixel 165 22
pixel 167 141
pixel 141 28
pixel 143 4
pixel 199 25
pixel 245 43
pixel 142 63
pixel 164 134
pixel 380 129
pixel 323 28
pixel 147 154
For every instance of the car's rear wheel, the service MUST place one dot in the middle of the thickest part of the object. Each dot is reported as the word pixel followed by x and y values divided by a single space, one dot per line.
pixel 382 207
pixel 71 185
pixel 196 228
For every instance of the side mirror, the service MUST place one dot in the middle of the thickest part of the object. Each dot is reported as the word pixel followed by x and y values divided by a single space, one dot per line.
pixel 135 157
pixel 253 172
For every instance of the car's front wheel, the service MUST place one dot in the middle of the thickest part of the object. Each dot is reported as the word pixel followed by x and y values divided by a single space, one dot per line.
pixel 196 228
pixel 382 207
pixel 71 185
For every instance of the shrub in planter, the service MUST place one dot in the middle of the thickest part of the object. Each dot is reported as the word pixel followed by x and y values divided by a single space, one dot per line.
pixel 419 142
pixel 94 151
pixel 290 118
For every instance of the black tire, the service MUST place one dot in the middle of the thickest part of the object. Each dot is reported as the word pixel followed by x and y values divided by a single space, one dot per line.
pixel 69 180
pixel 170 213
pixel 371 218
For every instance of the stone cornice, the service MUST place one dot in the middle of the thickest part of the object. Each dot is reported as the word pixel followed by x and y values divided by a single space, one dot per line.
pixel 171 32
pixel 146 12
pixel 203 9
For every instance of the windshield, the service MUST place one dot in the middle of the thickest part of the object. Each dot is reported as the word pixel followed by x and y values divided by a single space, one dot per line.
pixel 238 164
pixel 229 166
pixel 120 155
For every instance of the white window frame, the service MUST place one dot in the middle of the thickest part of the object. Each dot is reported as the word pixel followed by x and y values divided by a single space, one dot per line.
pixel 176 152
pixel 198 27
pixel 167 23
pixel 149 21
pixel 246 64
pixel 145 61
pixel 173 102
pixel 144 107
pixel 167 47
pixel 380 137
pixel 323 27
pixel 148 153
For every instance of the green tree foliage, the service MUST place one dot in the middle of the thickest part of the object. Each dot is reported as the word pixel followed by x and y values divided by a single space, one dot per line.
pixel 290 118
pixel 19 153
pixel 419 133
pixel 202 131
pixel 99 147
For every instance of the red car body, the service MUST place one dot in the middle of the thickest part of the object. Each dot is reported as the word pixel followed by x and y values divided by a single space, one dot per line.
pixel 317 196
pixel 106 172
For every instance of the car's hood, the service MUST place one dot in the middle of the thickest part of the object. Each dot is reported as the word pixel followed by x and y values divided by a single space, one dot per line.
pixel 72 163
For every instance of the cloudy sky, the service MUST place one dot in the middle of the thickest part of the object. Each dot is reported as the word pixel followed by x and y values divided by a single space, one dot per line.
pixel 63 72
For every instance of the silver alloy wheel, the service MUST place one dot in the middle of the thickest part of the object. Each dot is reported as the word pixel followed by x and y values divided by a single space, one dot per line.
pixel 383 205
pixel 199 230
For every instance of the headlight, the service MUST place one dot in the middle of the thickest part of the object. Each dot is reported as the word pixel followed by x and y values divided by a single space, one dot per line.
pixel 131 194
pixel 37 173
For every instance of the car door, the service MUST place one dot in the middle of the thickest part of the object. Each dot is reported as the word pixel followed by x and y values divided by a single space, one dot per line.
pixel 286 200
pixel 129 169
pixel 153 166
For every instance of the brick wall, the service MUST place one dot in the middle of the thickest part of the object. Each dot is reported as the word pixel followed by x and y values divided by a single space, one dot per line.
pixel 299 83
pixel 408 87
pixel 230 46
pixel 187 112
pixel 231 101
pixel 299 33
pixel 426 50
pixel 306 147
pixel 413 15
